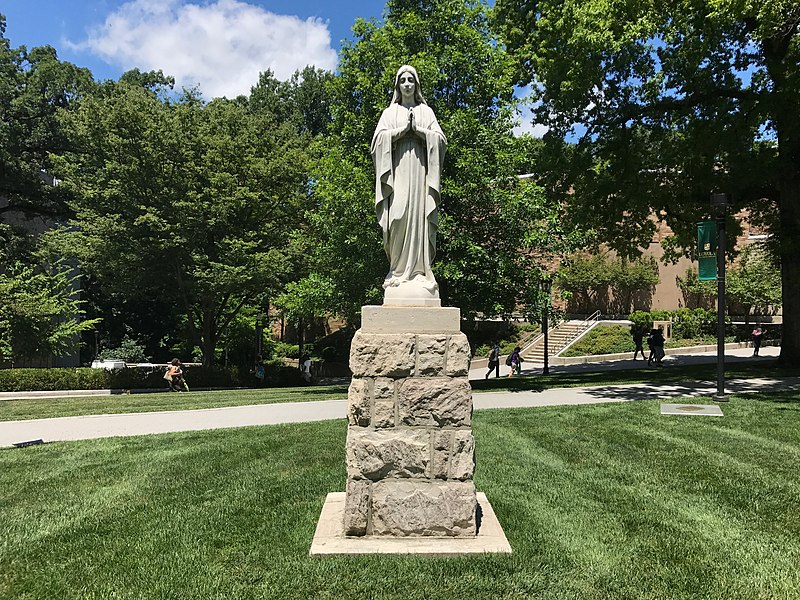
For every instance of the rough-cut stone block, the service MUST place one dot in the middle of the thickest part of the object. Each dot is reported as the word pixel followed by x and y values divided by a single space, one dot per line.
pixel 421 508
pixel 441 453
pixel 431 355
pixel 376 454
pixel 382 355
pixel 447 401
pixel 462 457
pixel 356 507
pixel 458 356
pixel 358 402
pixel 383 415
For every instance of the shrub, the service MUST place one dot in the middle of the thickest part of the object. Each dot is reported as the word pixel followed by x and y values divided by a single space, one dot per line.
pixel 23 380
pixel 602 339
pixel 128 350
pixel 282 349
pixel 687 323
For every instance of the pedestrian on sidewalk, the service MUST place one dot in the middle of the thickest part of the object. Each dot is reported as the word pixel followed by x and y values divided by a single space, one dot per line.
pixel 494 361
pixel 515 360
pixel 758 335
pixel 651 347
pixel 658 345
pixel 638 336
pixel 260 371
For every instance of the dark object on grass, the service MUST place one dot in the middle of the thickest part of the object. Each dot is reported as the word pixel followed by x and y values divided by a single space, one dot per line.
pixel 28 443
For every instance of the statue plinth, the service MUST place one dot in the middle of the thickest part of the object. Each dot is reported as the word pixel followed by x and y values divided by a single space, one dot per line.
pixel 410 449
pixel 411 293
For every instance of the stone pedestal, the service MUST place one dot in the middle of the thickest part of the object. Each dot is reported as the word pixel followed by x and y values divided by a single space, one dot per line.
pixel 410 450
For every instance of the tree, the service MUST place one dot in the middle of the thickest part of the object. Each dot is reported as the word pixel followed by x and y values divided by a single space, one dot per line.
pixel 754 283
pixel 590 278
pixel 487 239
pixel 304 100
pixel 189 202
pixel 34 86
pixel 672 101
pixel 40 312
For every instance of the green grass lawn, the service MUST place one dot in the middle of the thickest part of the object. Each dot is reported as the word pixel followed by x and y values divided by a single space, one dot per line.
pixel 605 501
pixel 40 408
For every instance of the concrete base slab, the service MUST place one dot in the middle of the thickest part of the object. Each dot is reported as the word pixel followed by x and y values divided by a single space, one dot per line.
pixel 329 538
pixel 706 410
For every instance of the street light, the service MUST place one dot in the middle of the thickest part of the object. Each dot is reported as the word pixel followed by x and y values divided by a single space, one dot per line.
pixel 545 285
pixel 719 205
pixel 260 321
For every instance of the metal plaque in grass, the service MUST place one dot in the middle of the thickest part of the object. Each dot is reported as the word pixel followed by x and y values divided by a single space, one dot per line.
pixel 707 410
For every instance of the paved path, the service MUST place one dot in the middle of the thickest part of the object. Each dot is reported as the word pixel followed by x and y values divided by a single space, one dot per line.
pixel 710 358
pixel 100 426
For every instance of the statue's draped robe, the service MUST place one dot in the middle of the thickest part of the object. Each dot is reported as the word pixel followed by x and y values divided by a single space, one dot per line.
pixel 407 188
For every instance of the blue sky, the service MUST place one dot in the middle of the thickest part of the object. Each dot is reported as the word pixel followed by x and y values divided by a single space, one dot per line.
pixel 221 45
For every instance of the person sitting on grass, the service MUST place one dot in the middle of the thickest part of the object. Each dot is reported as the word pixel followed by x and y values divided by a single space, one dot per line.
pixel 177 383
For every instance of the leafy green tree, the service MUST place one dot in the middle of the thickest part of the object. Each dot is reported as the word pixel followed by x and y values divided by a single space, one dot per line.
pixel 189 202
pixel 488 238
pixel 696 293
pixel 304 100
pixel 40 312
pixel 34 86
pixel 589 279
pixel 671 101
pixel 755 282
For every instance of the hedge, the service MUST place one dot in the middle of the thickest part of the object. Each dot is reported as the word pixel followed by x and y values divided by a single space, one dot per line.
pixel 84 378
pixel 602 339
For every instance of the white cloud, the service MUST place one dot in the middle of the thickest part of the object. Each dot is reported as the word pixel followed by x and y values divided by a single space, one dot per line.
pixel 527 126
pixel 222 45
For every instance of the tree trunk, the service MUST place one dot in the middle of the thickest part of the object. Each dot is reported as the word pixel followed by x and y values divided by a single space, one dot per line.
pixel 786 118
pixel 790 271
pixel 788 128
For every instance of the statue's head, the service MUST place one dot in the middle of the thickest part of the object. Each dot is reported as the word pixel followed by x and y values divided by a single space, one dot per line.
pixel 397 96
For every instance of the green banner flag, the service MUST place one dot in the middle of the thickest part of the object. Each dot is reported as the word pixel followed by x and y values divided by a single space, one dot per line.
pixel 707 250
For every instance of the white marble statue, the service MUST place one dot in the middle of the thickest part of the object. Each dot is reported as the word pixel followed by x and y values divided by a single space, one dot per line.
pixel 408 150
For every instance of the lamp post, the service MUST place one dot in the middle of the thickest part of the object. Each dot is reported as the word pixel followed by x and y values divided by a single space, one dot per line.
pixel 260 320
pixel 545 285
pixel 719 204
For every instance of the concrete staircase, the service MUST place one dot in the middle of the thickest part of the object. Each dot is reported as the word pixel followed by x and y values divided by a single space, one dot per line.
pixel 558 338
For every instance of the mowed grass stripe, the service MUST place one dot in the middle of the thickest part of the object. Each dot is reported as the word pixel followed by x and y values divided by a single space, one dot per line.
pixel 603 501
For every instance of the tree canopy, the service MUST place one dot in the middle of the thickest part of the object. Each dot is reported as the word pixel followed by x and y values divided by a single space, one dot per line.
pixel 189 202
pixel 670 102
pixel 491 225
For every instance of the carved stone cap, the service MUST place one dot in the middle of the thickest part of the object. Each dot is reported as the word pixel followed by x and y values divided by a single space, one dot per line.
pixel 408 319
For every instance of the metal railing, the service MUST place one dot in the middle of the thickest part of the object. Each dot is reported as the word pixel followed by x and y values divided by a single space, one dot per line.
pixel 586 325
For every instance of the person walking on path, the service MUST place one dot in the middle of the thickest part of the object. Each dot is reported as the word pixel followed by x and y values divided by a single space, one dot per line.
pixel 494 361
pixel 658 345
pixel 651 347
pixel 758 335
pixel 638 336
pixel 515 361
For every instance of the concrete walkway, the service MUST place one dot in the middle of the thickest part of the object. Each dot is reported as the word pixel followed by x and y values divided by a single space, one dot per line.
pixel 101 426
pixel 733 356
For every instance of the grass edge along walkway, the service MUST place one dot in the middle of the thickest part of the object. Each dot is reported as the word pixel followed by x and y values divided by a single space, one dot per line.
pixel 37 408
pixel 599 502
pixel 133 424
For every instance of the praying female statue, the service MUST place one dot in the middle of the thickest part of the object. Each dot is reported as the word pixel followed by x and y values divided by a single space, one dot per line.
pixel 408 150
